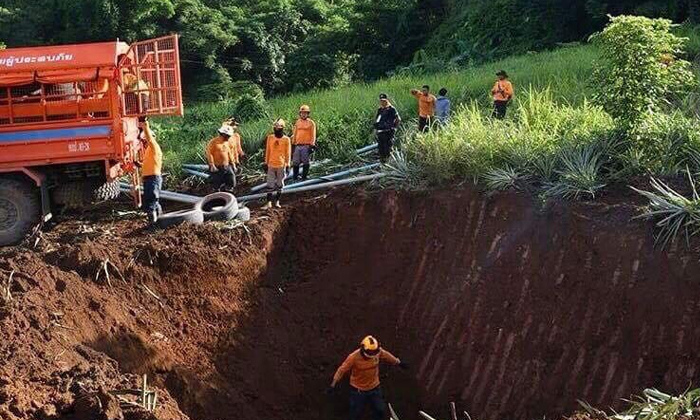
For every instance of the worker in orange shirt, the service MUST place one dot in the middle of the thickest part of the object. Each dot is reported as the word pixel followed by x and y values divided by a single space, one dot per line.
pixel 303 142
pixel 151 167
pixel 426 107
pixel 221 159
pixel 363 365
pixel 235 143
pixel 278 155
pixel 502 93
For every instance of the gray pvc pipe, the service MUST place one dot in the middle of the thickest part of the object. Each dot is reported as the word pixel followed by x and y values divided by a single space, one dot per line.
pixel 167 195
pixel 333 177
pixel 366 148
pixel 196 167
pixel 195 173
pixel 314 187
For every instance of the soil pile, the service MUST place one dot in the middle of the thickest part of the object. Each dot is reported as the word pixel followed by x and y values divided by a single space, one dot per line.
pixel 510 309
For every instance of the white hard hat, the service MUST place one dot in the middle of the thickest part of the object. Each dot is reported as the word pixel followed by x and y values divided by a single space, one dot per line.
pixel 226 130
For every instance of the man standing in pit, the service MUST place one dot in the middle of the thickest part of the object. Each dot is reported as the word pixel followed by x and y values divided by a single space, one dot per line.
pixel 278 154
pixel 385 124
pixel 502 94
pixel 363 365
pixel 304 143
pixel 151 172
pixel 221 158
pixel 426 107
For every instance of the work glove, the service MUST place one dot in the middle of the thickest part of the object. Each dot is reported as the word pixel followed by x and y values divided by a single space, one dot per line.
pixel 212 168
pixel 330 390
pixel 264 167
pixel 403 365
pixel 312 149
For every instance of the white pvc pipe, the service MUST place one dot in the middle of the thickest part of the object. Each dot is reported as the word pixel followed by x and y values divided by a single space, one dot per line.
pixel 314 187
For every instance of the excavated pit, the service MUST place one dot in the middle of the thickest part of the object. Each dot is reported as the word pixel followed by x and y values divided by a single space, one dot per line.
pixel 509 309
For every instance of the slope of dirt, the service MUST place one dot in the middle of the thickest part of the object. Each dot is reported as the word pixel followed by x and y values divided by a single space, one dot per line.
pixel 67 336
pixel 510 309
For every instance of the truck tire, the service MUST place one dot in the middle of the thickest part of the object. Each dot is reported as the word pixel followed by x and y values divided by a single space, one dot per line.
pixel 193 216
pixel 107 191
pixel 221 206
pixel 19 210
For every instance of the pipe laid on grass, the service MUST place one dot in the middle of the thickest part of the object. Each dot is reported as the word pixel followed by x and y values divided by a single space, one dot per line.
pixel 363 178
pixel 195 173
pixel 167 195
pixel 367 149
pixel 332 177
pixel 196 167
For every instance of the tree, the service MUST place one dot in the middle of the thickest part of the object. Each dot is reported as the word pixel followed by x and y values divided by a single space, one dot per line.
pixel 640 68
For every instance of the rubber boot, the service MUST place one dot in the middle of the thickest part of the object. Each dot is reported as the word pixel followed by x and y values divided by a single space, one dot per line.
pixel 295 171
pixel 277 199
pixel 305 171
pixel 152 216
pixel 269 201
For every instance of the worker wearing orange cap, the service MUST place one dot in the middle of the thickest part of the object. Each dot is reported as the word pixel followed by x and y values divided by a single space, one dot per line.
pixel 278 155
pixel 502 93
pixel 221 159
pixel 363 365
pixel 151 172
pixel 303 142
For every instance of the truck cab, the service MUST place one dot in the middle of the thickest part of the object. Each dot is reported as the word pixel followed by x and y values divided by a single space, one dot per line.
pixel 69 123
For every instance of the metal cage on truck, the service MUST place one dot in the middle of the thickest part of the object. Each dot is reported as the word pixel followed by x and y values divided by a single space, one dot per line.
pixel 69 118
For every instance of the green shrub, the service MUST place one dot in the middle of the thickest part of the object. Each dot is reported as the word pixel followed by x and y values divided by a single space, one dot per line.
pixel 529 145
pixel 639 69
pixel 248 108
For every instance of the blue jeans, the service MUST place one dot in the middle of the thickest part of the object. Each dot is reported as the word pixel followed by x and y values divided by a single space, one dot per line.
pixel 151 194
pixel 359 399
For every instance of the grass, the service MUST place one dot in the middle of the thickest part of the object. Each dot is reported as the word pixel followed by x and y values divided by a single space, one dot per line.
pixel 654 405
pixel 344 116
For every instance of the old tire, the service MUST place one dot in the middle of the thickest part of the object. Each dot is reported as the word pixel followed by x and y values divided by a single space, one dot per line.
pixel 192 216
pixel 221 206
pixel 107 191
pixel 19 210
pixel 243 214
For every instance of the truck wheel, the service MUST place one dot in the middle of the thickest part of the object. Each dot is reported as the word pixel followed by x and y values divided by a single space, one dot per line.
pixel 107 191
pixel 19 210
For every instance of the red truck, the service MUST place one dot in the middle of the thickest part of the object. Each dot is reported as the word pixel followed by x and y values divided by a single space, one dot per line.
pixel 69 117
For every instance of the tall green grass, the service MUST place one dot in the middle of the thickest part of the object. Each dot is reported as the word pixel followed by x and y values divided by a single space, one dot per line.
pixel 345 115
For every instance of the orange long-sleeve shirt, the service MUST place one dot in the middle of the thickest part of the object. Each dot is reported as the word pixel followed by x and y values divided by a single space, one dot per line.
pixel 278 151
pixel 502 90
pixel 152 155
pixel 236 147
pixel 364 373
pixel 426 103
pixel 219 152
pixel 304 132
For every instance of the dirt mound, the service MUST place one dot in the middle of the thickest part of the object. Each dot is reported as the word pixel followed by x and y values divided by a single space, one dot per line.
pixel 509 308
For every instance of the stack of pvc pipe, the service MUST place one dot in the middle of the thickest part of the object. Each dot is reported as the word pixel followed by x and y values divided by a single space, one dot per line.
pixel 332 177
pixel 192 199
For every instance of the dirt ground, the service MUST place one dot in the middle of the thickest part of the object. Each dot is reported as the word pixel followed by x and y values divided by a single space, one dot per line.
pixel 510 307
